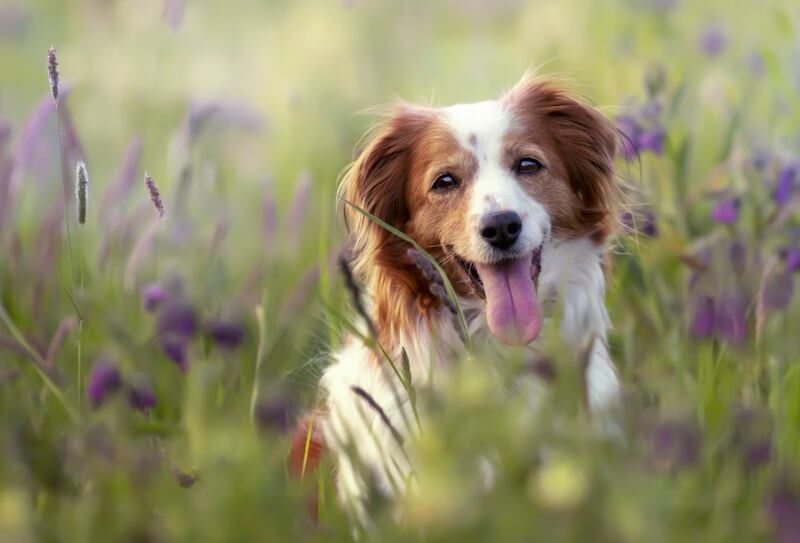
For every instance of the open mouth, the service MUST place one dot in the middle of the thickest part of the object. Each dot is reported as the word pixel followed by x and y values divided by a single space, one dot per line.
pixel 471 270
pixel 509 288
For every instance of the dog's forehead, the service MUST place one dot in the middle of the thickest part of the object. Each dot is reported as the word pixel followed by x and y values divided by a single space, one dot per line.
pixel 478 124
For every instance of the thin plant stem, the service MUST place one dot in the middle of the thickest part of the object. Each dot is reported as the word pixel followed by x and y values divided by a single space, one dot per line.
pixel 64 182
pixel 80 360
pixel 262 338
pixel 309 433
pixel 39 364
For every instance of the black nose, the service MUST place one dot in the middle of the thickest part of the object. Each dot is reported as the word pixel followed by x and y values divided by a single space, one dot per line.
pixel 501 229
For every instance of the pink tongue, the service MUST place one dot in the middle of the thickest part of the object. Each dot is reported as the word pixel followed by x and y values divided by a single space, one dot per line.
pixel 512 308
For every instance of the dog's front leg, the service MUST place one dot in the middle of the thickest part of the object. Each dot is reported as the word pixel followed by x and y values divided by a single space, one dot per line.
pixel 584 325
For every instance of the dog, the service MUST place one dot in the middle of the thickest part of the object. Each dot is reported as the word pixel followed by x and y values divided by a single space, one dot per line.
pixel 516 199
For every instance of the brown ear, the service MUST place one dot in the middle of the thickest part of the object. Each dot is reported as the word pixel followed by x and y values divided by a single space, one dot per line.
pixel 587 144
pixel 376 182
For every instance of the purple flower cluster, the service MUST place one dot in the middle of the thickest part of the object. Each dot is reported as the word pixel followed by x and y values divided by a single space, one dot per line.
pixel 641 132
pixel 153 295
pixel 786 185
pixel 225 334
pixel 105 379
pixel 726 211
pixel 736 288
pixel 784 511
pixel 141 396
pixel 717 309
pixel 712 40
pixel 177 324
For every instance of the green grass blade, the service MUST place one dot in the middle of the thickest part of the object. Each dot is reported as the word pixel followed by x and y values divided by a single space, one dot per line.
pixel 38 364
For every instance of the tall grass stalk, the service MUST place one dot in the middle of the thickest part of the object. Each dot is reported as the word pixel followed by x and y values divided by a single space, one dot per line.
pixel 52 65
pixel 262 339
pixel 38 363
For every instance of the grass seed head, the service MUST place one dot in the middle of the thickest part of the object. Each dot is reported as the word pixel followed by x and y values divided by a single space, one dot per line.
pixel 155 196
pixel 52 71
pixel 81 190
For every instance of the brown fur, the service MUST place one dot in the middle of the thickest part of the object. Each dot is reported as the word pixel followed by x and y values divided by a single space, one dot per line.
pixel 377 182
pixel 586 143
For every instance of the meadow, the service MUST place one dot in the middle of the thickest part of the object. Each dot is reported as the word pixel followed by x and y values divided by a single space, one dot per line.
pixel 153 365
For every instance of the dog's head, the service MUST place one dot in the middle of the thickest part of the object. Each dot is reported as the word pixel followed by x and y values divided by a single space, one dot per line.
pixel 481 187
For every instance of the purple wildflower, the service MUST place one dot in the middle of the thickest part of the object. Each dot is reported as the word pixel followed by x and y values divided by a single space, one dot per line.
pixel 652 140
pixel 155 196
pixel 651 110
pixel 153 295
pixel 627 221
pixel 104 380
pixel 631 132
pixel 779 290
pixel 175 348
pixel 274 414
pixel 141 396
pixel 703 314
pixel 730 319
pixel 726 211
pixel 785 186
pixel 649 228
pixel 712 40
pixel 177 318
pixel 226 334
pixel 752 436
pixel 758 454
pixel 52 72
pixel 792 256
pixel 784 511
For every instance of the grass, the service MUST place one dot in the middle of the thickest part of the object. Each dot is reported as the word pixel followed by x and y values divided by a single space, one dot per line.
pixel 219 316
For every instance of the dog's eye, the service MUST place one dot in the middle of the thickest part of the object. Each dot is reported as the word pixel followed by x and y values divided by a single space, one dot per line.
pixel 528 166
pixel 445 182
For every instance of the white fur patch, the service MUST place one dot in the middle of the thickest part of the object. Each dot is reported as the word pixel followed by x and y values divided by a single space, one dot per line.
pixel 480 128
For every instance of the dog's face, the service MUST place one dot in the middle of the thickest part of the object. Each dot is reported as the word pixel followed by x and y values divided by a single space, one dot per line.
pixel 482 187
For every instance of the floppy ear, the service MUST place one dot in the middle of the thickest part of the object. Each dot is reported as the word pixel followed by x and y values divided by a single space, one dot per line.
pixel 587 143
pixel 376 182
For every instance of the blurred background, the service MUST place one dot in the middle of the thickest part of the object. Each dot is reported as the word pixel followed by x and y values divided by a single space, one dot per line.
pixel 150 368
